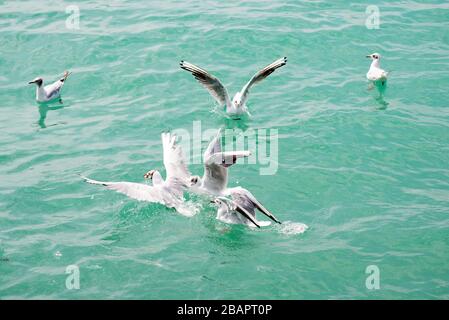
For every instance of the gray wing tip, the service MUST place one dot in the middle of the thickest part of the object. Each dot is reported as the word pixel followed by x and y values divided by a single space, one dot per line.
pixel 281 62
pixel 188 68
pixel 88 180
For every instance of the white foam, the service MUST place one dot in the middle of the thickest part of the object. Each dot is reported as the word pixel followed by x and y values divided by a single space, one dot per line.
pixel 291 228
pixel 189 208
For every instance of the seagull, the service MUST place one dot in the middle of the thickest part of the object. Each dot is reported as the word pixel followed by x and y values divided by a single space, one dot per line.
pixel 50 92
pixel 240 208
pixel 231 202
pixel 216 162
pixel 168 192
pixel 375 73
pixel 218 91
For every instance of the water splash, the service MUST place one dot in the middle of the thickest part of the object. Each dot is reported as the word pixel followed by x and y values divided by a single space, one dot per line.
pixel 292 228
pixel 189 208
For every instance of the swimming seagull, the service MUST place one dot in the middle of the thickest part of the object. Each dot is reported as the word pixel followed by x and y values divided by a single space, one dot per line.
pixel 216 163
pixel 375 73
pixel 218 91
pixel 50 92
pixel 240 208
pixel 168 192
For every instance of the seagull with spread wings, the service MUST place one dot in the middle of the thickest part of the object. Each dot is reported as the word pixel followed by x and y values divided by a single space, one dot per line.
pixel 235 205
pixel 237 105
pixel 169 192
pixel 216 163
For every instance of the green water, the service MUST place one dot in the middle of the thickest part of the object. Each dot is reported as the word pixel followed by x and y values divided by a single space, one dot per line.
pixel 369 177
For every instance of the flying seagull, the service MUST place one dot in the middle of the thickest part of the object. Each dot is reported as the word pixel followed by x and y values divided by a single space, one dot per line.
pixel 375 73
pixel 218 91
pixel 169 192
pixel 50 92
pixel 216 163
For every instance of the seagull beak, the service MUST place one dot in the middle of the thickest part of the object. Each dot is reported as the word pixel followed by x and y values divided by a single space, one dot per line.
pixel 31 82
pixel 368 56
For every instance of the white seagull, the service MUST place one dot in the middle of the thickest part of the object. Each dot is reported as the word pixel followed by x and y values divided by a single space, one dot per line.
pixel 375 73
pixel 168 192
pixel 215 178
pixel 240 208
pixel 50 92
pixel 235 205
pixel 218 91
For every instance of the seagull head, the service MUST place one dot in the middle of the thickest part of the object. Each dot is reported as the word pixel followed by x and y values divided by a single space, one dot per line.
pixel 224 203
pixel 149 174
pixel 38 81
pixel 374 56
pixel 194 180
pixel 219 202
pixel 237 100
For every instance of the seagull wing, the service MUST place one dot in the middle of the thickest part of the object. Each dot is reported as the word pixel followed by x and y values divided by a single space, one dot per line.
pixel 245 198
pixel 53 90
pixel 177 171
pixel 247 211
pixel 216 164
pixel 259 76
pixel 228 158
pixel 213 147
pixel 246 214
pixel 211 83
pixel 138 191
pixel 215 176
pixel 214 156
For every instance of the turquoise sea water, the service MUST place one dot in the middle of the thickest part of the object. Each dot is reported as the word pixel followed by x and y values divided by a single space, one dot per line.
pixel 369 177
